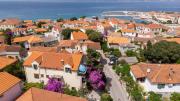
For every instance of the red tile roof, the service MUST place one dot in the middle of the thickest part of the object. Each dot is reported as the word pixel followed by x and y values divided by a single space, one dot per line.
pixel 53 60
pixel 7 81
pixel 158 73
pixel 79 36
pixel 4 62
pixel 35 94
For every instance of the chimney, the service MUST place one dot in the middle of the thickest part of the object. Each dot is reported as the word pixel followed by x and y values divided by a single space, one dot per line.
pixel 170 76
pixel 171 72
pixel 148 70
pixel 62 61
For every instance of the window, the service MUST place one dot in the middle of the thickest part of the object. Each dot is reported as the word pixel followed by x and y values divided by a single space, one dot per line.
pixel 42 75
pixel 170 85
pixel 35 67
pixel 160 86
pixel 67 70
pixel 36 76
pixel 47 76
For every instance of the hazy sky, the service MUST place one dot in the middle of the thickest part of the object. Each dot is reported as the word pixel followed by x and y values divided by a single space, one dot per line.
pixel 87 0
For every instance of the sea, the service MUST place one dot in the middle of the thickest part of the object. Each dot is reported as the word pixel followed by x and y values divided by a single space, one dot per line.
pixel 54 10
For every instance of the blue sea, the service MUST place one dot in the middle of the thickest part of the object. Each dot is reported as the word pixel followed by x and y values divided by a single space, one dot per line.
pixel 54 10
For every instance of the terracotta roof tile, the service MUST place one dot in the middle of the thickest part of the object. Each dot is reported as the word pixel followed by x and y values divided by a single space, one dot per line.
pixel 43 49
pixel 30 39
pixel 53 60
pixel 177 40
pixel 9 48
pixel 4 61
pixel 67 43
pixel 92 45
pixel 40 30
pixel 79 36
pixel 158 73
pixel 31 58
pixel 117 40
pixel 128 31
pixel 7 81
pixel 35 94
pixel 154 26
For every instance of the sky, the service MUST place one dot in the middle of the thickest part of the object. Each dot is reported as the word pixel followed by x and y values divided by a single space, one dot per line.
pixel 88 0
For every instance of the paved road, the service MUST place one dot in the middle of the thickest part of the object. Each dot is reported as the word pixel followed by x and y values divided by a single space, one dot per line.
pixel 117 91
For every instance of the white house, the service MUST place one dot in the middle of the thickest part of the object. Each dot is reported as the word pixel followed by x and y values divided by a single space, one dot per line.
pixel 128 32
pixel 178 20
pixel 40 66
pixel 54 33
pixel 100 28
pixel 159 78
pixel 121 43
pixel 10 87
pixel 68 45
pixel 155 28
pixel 29 41
pixel 10 51
pixel 10 23
pixel 141 28
pixel 72 46
pixel 19 31
pixel 146 35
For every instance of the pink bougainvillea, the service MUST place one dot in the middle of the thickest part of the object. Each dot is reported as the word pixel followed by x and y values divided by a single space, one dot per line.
pixel 54 85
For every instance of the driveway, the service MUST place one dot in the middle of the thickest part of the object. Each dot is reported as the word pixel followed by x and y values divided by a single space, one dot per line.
pixel 117 90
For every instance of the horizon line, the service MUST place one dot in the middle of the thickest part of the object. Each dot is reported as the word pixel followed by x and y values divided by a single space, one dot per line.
pixel 83 1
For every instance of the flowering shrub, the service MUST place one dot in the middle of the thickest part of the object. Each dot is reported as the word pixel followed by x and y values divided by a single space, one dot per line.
pixel 54 85
pixel 96 80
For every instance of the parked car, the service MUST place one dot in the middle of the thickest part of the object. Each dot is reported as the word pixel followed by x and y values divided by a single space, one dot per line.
pixel 113 60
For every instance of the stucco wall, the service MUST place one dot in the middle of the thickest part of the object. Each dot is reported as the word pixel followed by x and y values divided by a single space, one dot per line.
pixel 72 79
pixel 148 86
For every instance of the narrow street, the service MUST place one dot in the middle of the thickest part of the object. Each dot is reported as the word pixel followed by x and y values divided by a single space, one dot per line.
pixel 117 91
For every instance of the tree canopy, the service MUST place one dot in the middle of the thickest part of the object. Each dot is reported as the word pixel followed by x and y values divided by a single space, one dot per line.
pixel 16 70
pixel 93 57
pixel 73 18
pixel 175 97
pixel 154 97
pixel 131 86
pixel 27 86
pixel 67 33
pixel 131 53
pixel 83 17
pixel 94 36
pixel 60 19
pixel 115 52
pixel 8 34
pixel 163 52
pixel 39 25
pixel 106 97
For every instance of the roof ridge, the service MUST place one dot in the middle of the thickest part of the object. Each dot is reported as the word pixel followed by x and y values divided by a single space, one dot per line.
pixel 154 78
pixel 31 94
